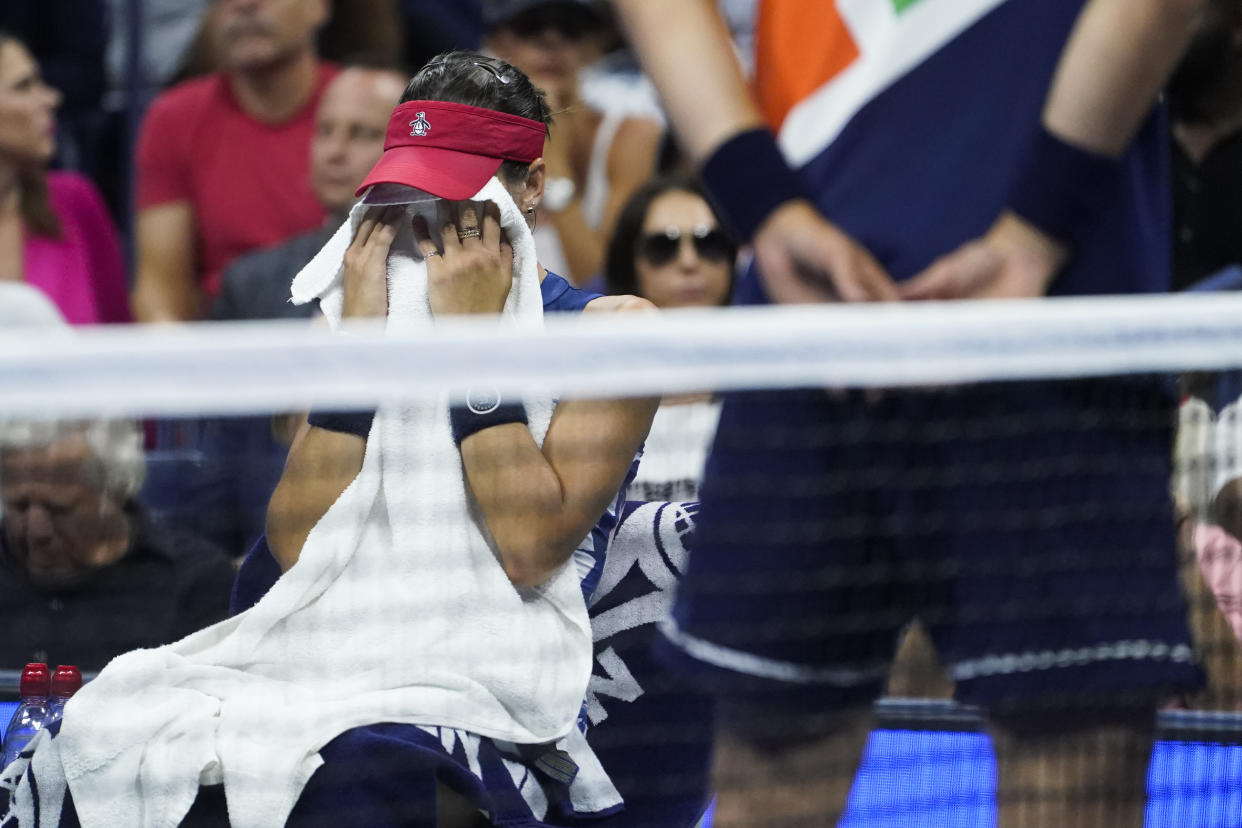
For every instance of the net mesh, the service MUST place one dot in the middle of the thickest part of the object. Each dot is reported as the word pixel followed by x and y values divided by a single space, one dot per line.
pixel 1014 523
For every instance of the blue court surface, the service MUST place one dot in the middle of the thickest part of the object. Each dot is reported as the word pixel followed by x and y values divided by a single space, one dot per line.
pixel 947 779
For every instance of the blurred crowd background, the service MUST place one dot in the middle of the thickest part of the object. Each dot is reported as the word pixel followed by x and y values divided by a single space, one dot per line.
pixel 181 160
pixel 151 148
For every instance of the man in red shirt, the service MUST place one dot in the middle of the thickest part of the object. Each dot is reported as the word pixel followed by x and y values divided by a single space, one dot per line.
pixel 222 160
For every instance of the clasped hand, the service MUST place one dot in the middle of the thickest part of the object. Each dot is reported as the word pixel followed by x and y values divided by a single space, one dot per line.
pixel 805 258
pixel 469 261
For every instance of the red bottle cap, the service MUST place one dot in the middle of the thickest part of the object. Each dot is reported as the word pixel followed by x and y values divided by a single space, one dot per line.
pixel 36 680
pixel 66 681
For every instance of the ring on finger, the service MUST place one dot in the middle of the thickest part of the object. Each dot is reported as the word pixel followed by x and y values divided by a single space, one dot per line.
pixel 468 233
pixel 429 255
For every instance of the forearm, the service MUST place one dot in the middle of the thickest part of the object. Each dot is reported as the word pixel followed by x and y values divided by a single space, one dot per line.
pixel 521 499
pixel 685 48
pixel 323 462
pixel 154 300
pixel 166 289
pixel 539 503
pixel 1117 59
pixel 320 466
pixel 582 246
pixel 1114 64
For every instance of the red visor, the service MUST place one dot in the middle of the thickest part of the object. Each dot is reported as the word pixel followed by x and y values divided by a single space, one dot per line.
pixel 451 150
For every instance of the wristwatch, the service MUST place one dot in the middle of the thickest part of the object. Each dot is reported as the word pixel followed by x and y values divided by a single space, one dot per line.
pixel 557 193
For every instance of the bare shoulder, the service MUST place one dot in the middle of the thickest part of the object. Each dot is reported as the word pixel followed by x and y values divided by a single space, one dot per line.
pixel 609 304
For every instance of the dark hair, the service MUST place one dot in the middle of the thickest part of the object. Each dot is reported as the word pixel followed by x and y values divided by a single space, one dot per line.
pixel 36 208
pixel 619 272
pixel 486 82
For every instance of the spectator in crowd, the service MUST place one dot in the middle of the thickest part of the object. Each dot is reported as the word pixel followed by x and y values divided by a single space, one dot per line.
pixel 84 575
pixel 55 233
pixel 368 32
pixel 24 306
pixel 1207 482
pixel 167 31
pixel 349 136
pixel 222 161
pixel 69 39
pixel 1212 579
pixel 813 494
pixel 596 159
pixel 615 82
pixel 669 247
pixel 138 69
pixel 1219 554
pixel 1206 97
pixel 1224 465
pixel 222 495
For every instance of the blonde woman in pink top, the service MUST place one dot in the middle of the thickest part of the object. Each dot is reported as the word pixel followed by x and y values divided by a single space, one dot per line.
pixel 55 234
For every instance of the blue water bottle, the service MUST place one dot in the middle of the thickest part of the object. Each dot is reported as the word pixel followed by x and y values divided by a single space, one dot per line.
pixel 31 714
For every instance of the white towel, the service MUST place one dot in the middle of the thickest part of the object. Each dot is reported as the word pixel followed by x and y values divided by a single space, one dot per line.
pixel 34 784
pixel 1225 444
pixel 397 610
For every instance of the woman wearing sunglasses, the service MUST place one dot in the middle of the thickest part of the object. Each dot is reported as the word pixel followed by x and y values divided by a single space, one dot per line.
pixel 670 248
pixel 595 159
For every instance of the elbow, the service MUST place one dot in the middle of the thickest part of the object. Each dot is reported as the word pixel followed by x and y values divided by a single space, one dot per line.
pixel 636 304
pixel 531 561
pixel 531 536
pixel 526 575
pixel 280 535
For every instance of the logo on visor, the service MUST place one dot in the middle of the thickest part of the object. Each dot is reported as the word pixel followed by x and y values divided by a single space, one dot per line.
pixel 419 126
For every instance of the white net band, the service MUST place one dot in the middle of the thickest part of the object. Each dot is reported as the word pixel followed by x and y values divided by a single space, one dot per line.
pixel 251 367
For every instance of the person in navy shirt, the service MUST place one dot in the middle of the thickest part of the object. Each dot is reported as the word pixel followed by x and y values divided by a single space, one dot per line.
pixel 935 149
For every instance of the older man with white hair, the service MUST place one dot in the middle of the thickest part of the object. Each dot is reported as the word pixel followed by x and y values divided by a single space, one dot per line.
pixel 22 306
pixel 84 574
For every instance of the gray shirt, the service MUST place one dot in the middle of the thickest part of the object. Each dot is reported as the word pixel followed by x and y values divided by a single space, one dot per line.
pixel 256 285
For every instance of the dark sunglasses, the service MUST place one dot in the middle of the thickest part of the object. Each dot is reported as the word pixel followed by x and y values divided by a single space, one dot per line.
pixel 570 22
pixel 710 243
